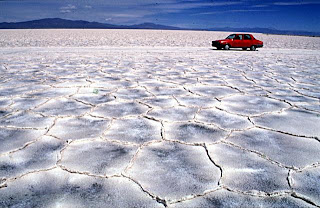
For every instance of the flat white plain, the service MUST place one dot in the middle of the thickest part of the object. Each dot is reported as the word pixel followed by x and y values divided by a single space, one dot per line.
pixel 152 118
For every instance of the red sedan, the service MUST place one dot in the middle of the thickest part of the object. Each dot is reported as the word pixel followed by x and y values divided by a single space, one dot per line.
pixel 243 41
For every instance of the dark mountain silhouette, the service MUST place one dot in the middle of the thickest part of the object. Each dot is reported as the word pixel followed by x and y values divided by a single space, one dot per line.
pixel 55 23
pixel 148 25
pixel 51 23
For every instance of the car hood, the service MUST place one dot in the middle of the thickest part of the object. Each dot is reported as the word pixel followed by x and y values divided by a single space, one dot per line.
pixel 221 40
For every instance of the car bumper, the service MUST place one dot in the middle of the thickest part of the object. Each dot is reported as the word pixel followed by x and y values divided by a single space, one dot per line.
pixel 260 46
pixel 217 44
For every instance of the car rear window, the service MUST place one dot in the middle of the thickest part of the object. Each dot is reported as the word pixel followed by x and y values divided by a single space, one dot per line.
pixel 247 37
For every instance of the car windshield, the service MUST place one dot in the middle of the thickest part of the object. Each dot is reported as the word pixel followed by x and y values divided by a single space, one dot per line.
pixel 231 36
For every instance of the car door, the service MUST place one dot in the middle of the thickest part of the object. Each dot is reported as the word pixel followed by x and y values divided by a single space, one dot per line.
pixel 237 41
pixel 247 41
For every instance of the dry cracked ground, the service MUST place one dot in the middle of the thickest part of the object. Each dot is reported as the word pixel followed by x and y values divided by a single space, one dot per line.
pixel 163 126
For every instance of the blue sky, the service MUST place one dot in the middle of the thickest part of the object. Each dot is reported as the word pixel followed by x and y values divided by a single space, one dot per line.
pixel 278 14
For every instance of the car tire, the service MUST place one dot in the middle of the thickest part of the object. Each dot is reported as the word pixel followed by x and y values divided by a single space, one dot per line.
pixel 244 49
pixel 219 48
pixel 226 47
pixel 253 48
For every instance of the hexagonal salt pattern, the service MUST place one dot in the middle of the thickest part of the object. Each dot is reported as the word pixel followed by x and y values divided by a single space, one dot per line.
pixel 251 105
pixel 197 101
pixel 12 139
pixel 37 156
pixel 5 102
pixel 173 171
pixel 132 94
pixel 97 157
pixel 56 188
pixel 79 128
pixel 245 171
pixel 193 132
pixel 223 198
pixel 160 101
pixel 290 151
pixel 223 119
pixel 174 114
pixel 63 107
pixel 166 91
pixel 27 103
pixel 294 121
pixel 118 110
pixel 26 120
pixel 123 124
pixel 134 130
pixel 53 93
pixel 213 91
pixel 306 184
pixel 94 98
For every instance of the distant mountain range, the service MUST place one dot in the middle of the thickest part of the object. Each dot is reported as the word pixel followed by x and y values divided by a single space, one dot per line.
pixel 55 23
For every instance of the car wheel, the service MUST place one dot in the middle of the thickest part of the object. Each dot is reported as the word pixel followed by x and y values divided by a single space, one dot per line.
pixel 226 47
pixel 219 48
pixel 253 48
pixel 244 49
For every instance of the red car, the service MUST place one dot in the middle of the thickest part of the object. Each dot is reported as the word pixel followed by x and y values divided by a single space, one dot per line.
pixel 243 41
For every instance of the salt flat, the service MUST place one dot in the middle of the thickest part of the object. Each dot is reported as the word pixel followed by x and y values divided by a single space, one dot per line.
pixel 133 118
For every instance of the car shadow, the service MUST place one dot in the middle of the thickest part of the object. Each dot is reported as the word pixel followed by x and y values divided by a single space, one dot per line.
pixel 233 49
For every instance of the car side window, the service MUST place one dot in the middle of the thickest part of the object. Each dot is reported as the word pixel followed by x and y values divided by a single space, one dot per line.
pixel 238 37
pixel 231 37
pixel 247 37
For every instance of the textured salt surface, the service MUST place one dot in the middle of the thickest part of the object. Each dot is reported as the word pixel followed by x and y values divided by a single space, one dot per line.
pixel 94 38
pixel 157 119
